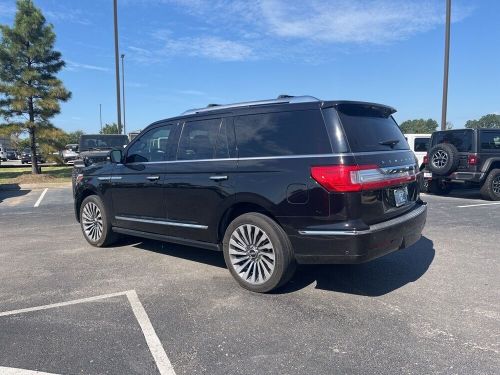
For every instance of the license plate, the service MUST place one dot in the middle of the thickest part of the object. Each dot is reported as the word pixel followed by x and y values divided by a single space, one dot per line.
pixel 400 196
pixel 427 175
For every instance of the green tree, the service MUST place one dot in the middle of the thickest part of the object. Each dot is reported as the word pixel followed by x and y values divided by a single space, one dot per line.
pixel 418 126
pixel 490 121
pixel 29 89
pixel 111 129
pixel 73 137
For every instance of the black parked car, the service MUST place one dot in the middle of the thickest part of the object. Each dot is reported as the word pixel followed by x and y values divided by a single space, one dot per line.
pixel 269 183
pixel 466 156
pixel 11 155
pixel 26 156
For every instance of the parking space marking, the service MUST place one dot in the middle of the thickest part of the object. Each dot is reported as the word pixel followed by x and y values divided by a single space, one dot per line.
pixel 41 197
pixel 155 346
pixel 479 204
pixel 20 371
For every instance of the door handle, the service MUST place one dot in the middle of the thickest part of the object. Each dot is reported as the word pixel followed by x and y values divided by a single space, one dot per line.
pixel 153 178
pixel 218 178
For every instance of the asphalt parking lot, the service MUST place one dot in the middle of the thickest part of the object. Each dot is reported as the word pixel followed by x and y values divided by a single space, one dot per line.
pixel 147 307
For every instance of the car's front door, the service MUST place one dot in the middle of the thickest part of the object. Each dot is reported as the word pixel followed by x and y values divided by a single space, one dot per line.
pixel 137 185
pixel 199 182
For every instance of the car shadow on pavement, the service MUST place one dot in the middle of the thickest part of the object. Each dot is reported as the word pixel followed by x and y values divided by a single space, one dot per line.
pixel 11 191
pixel 212 258
pixel 375 278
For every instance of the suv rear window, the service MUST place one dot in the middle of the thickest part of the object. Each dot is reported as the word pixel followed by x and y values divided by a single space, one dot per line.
pixel 421 144
pixel 461 139
pixel 490 140
pixel 282 133
pixel 369 128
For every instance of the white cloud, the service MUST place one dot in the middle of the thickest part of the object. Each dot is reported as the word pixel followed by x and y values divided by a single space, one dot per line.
pixel 7 10
pixel 192 92
pixel 72 16
pixel 74 66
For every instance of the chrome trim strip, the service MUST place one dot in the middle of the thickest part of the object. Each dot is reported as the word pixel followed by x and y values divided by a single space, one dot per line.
pixel 373 228
pixel 277 157
pixel 161 222
pixel 116 177
pixel 104 178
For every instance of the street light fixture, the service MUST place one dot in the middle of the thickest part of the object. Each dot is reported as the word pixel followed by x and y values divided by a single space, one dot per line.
pixel 446 65
pixel 117 65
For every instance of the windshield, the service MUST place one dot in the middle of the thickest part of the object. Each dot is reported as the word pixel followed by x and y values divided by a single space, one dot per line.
pixel 102 142
pixel 370 128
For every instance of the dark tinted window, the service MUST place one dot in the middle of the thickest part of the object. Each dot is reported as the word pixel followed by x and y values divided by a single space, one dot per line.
pixel 199 140
pixel 369 128
pixel 461 139
pixel 151 146
pixel 282 133
pixel 102 142
pixel 421 144
pixel 490 140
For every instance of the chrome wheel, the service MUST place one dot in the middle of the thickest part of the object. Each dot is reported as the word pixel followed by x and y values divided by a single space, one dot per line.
pixel 439 159
pixel 92 221
pixel 495 185
pixel 252 254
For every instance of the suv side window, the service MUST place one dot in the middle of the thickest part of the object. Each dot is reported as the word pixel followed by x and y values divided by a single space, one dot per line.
pixel 282 133
pixel 461 139
pixel 490 140
pixel 151 146
pixel 421 144
pixel 200 140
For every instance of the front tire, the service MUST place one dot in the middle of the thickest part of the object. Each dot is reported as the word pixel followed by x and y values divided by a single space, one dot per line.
pixel 95 223
pixel 258 253
pixel 491 187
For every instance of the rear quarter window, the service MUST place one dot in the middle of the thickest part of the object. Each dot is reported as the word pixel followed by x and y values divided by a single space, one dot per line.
pixel 281 134
pixel 490 140
pixel 421 144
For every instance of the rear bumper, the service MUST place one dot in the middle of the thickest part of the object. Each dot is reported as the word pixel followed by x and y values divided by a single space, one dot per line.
pixel 329 247
pixel 458 176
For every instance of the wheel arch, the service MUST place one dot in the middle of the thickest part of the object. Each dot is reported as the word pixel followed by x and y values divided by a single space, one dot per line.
pixel 491 163
pixel 84 193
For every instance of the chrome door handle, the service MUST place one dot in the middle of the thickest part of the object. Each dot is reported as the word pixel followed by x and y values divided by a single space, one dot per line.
pixel 153 178
pixel 218 178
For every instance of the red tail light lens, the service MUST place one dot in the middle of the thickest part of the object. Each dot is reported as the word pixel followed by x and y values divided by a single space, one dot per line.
pixel 472 160
pixel 426 159
pixel 349 178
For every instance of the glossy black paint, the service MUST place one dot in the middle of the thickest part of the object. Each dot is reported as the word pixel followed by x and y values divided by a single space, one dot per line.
pixel 193 201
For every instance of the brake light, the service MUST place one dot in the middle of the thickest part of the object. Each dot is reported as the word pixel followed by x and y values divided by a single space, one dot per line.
pixel 426 159
pixel 351 178
pixel 472 160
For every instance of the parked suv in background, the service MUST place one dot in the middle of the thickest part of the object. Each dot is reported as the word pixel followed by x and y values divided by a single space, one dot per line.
pixel 269 183
pixel 467 156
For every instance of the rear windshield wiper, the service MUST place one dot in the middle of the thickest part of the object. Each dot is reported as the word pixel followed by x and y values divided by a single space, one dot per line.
pixel 390 142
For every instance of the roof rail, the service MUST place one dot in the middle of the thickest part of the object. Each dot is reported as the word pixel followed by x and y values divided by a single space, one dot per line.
pixel 281 100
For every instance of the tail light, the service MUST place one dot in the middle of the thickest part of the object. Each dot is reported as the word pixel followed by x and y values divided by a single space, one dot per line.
pixel 426 159
pixel 472 160
pixel 349 178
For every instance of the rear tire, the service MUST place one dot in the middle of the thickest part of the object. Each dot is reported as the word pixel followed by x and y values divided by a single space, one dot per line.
pixel 95 223
pixel 258 253
pixel 439 187
pixel 491 186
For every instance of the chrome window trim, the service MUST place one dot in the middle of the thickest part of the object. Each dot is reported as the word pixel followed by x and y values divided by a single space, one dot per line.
pixel 374 228
pixel 161 222
pixel 276 157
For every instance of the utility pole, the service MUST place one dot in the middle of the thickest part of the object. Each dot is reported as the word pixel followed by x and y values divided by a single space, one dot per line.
pixel 117 65
pixel 123 91
pixel 100 116
pixel 446 65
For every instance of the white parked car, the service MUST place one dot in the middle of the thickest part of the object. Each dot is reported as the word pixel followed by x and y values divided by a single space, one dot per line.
pixel 70 153
pixel 419 144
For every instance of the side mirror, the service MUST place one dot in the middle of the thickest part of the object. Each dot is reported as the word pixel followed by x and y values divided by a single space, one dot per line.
pixel 115 156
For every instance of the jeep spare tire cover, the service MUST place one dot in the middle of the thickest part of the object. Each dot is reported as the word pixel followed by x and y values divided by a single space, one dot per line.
pixel 443 159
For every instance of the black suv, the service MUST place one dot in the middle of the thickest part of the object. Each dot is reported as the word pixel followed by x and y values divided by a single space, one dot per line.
pixel 467 156
pixel 270 183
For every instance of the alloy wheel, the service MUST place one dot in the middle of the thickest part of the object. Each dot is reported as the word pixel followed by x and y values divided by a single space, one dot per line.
pixel 439 159
pixel 92 221
pixel 495 185
pixel 252 254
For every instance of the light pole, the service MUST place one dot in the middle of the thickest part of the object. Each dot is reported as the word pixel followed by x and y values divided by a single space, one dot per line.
pixel 123 91
pixel 100 116
pixel 117 65
pixel 446 64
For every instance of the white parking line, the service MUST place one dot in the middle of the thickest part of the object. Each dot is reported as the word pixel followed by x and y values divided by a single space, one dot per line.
pixel 41 197
pixel 480 204
pixel 155 346
pixel 20 371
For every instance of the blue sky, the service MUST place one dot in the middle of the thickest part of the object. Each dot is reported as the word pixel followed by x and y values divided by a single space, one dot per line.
pixel 182 54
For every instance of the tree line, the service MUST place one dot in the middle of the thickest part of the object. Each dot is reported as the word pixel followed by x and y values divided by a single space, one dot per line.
pixel 422 126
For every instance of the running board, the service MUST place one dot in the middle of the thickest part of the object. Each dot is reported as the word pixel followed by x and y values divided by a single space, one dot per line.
pixel 161 237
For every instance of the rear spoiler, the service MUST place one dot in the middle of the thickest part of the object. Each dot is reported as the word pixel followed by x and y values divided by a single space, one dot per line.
pixel 353 108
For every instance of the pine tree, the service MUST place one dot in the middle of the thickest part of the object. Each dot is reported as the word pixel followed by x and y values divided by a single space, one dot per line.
pixel 30 92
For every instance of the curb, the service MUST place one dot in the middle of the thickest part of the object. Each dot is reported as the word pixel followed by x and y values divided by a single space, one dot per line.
pixel 34 186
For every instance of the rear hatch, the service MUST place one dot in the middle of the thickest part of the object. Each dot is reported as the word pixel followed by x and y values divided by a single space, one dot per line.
pixel 463 140
pixel 387 168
